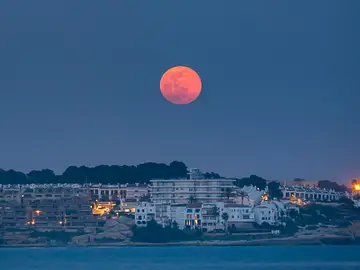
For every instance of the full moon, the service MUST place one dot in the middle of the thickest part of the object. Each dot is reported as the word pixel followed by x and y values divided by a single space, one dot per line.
pixel 180 85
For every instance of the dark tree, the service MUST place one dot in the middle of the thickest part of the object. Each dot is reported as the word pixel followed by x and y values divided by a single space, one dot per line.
pixel 228 192
pixel 43 176
pixel 274 190
pixel 331 185
pixel 211 175
pixel 253 180
pixel 12 177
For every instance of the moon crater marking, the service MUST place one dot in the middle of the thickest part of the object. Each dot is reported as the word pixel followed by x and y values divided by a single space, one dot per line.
pixel 180 85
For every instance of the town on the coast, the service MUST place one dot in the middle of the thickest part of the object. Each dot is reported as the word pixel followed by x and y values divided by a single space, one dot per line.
pixel 186 207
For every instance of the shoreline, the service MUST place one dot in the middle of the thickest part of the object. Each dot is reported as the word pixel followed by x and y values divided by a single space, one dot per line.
pixel 289 241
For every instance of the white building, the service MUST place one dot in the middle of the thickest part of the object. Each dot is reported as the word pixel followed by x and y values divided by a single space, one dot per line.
pixel 108 192
pixel 266 213
pixel 310 193
pixel 144 212
pixel 136 191
pixel 248 195
pixel 238 215
pixel 193 216
pixel 177 214
pixel 210 217
pixel 195 189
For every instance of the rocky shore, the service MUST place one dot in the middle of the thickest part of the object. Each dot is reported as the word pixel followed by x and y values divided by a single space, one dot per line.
pixel 288 241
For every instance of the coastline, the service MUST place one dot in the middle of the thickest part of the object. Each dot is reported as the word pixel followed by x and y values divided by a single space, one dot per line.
pixel 288 241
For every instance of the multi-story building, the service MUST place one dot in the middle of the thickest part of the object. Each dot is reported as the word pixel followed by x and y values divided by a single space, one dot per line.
pixel 193 216
pixel 195 189
pixel 108 192
pixel 238 214
pixel 49 193
pixel 145 211
pixel 14 216
pixel 265 213
pixel 177 215
pixel 310 193
pixel 136 191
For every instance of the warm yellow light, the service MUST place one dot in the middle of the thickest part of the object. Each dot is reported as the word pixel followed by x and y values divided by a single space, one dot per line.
pixel 60 222
pixel 357 187
pixel 37 212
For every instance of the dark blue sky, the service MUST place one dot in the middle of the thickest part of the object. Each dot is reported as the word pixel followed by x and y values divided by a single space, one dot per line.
pixel 79 84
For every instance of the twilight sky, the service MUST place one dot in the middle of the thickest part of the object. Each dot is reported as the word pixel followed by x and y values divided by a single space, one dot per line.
pixel 79 85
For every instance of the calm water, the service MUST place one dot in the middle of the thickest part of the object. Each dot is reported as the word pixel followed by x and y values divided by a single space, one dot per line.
pixel 184 258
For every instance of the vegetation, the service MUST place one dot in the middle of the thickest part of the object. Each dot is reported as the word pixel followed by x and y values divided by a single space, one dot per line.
pixel 289 229
pixel 155 233
pixel 242 194
pixel 105 174
pixel 274 190
pixel 225 217
pixel 332 185
pixel 228 193
pixel 253 180
pixel 346 201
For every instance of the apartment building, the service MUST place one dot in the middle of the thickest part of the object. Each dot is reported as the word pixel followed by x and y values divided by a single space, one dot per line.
pixel 66 214
pixel 14 216
pixel 145 211
pixel 310 193
pixel 193 216
pixel 238 215
pixel 31 194
pixel 180 191
pixel 107 192
pixel 136 191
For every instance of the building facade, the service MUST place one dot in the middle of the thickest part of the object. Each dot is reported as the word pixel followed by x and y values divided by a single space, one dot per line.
pixel 180 191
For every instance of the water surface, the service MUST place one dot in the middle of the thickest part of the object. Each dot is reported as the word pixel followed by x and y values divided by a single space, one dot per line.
pixel 184 258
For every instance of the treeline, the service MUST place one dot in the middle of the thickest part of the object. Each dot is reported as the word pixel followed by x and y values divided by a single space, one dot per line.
pixel 332 185
pixel 104 174
pixel 123 174
pixel 252 180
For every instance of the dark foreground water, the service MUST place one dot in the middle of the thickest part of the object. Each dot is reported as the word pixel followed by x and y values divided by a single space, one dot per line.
pixel 184 258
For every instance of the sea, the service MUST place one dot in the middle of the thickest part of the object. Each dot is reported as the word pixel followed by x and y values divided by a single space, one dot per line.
pixel 184 258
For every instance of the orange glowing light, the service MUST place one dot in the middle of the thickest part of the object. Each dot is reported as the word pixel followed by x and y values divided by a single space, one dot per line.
pixel 357 187
pixel 180 85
